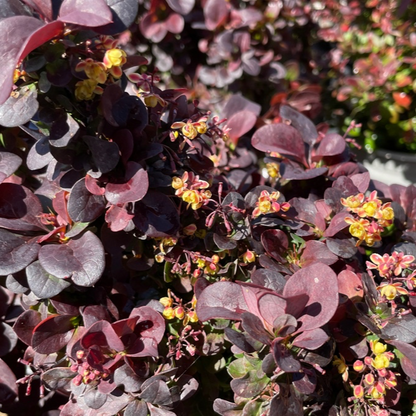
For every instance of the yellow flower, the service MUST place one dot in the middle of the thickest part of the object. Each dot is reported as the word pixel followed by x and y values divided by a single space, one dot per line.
pixel 380 361
pixel 378 347
pixel 86 89
pixel 169 313
pixel 114 57
pixel 166 301
pixel 370 208
pixel 177 183
pixel 357 230
pixel 389 291
pixel 273 170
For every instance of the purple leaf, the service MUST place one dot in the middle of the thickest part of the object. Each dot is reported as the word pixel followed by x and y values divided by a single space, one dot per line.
pixel 20 208
pixel 284 325
pixel 306 381
pixel 402 328
pixel 280 138
pixel 342 247
pixel 320 283
pixel 42 284
pixel 128 378
pixel 52 334
pixel 80 259
pixel 58 379
pixel 43 7
pixel 63 130
pixel 361 181
pixel 290 172
pixel 284 358
pixel 215 12
pixel 158 411
pixel 331 145
pixel 82 205
pixel 24 34
pixel 124 13
pixel 9 163
pixel 85 13
pixel 136 408
pixel 156 391
pixel 182 7
pixel 337 224
pixel 254 327
pixel 317 251
pixel 25 324
pixel 9 8
pixel 240 340
pixel 15 252
pixel 8 339
pixel 118 218
pixel 275 242
pixel 8 385
pixel 311 340
pixel 156 215
pixel 102 334
pixel 301 123
pixel 270 279
pixel 104 153
pixel 271 306
pixel 39 155
pixel 94 399
pixel 240 123
pixel 286 402
pixel 134 189
pixel 221 300
pixel 237 104
pixel 408 361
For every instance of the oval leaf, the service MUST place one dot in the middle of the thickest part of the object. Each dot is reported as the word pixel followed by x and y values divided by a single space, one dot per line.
pixel 320 284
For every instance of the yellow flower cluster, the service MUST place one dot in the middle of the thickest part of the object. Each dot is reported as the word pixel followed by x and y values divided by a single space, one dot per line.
pixel 376 378
pixel 98 72
pixel 191 189
pixel 267 204
pixel 191 129
pixel 371 217
pixel 175 309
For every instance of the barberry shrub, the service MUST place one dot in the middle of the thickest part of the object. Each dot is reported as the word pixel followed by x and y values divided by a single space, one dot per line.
pixel 167 256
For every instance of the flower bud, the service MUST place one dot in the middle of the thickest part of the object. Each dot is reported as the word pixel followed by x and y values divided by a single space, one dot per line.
pixel 179 312
pixel 165 301
pixel 358 366
pixel 358 391
pixel 169 313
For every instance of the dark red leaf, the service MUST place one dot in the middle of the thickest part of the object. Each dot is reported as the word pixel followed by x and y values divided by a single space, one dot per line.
pixel 254 327
pixel 85 13
pixel 215 12
pixel 240 123
pixel 270 307
pixel 320 283
pixel 317 251
pixel 24 34
pixel 301 123
pixel 25 324
pixel 43 284
pixel 156 215
pixel 124 13
pixel 134 189
pixel 182 7
pixel 280 138
pixel 275 242
pixel 221 300
pixel 337 224
pixel 306 381
pixel 9 163
pixel 311 340
pixel 284 358
pixel 118 218
pixel 58 379
pixel 331 145
pixel 20 208
pixel 8 339
pixel 8 385
pixel 15 252
pixel 52 334
pixel 82 205
pixel 105 154
pixel 408 361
